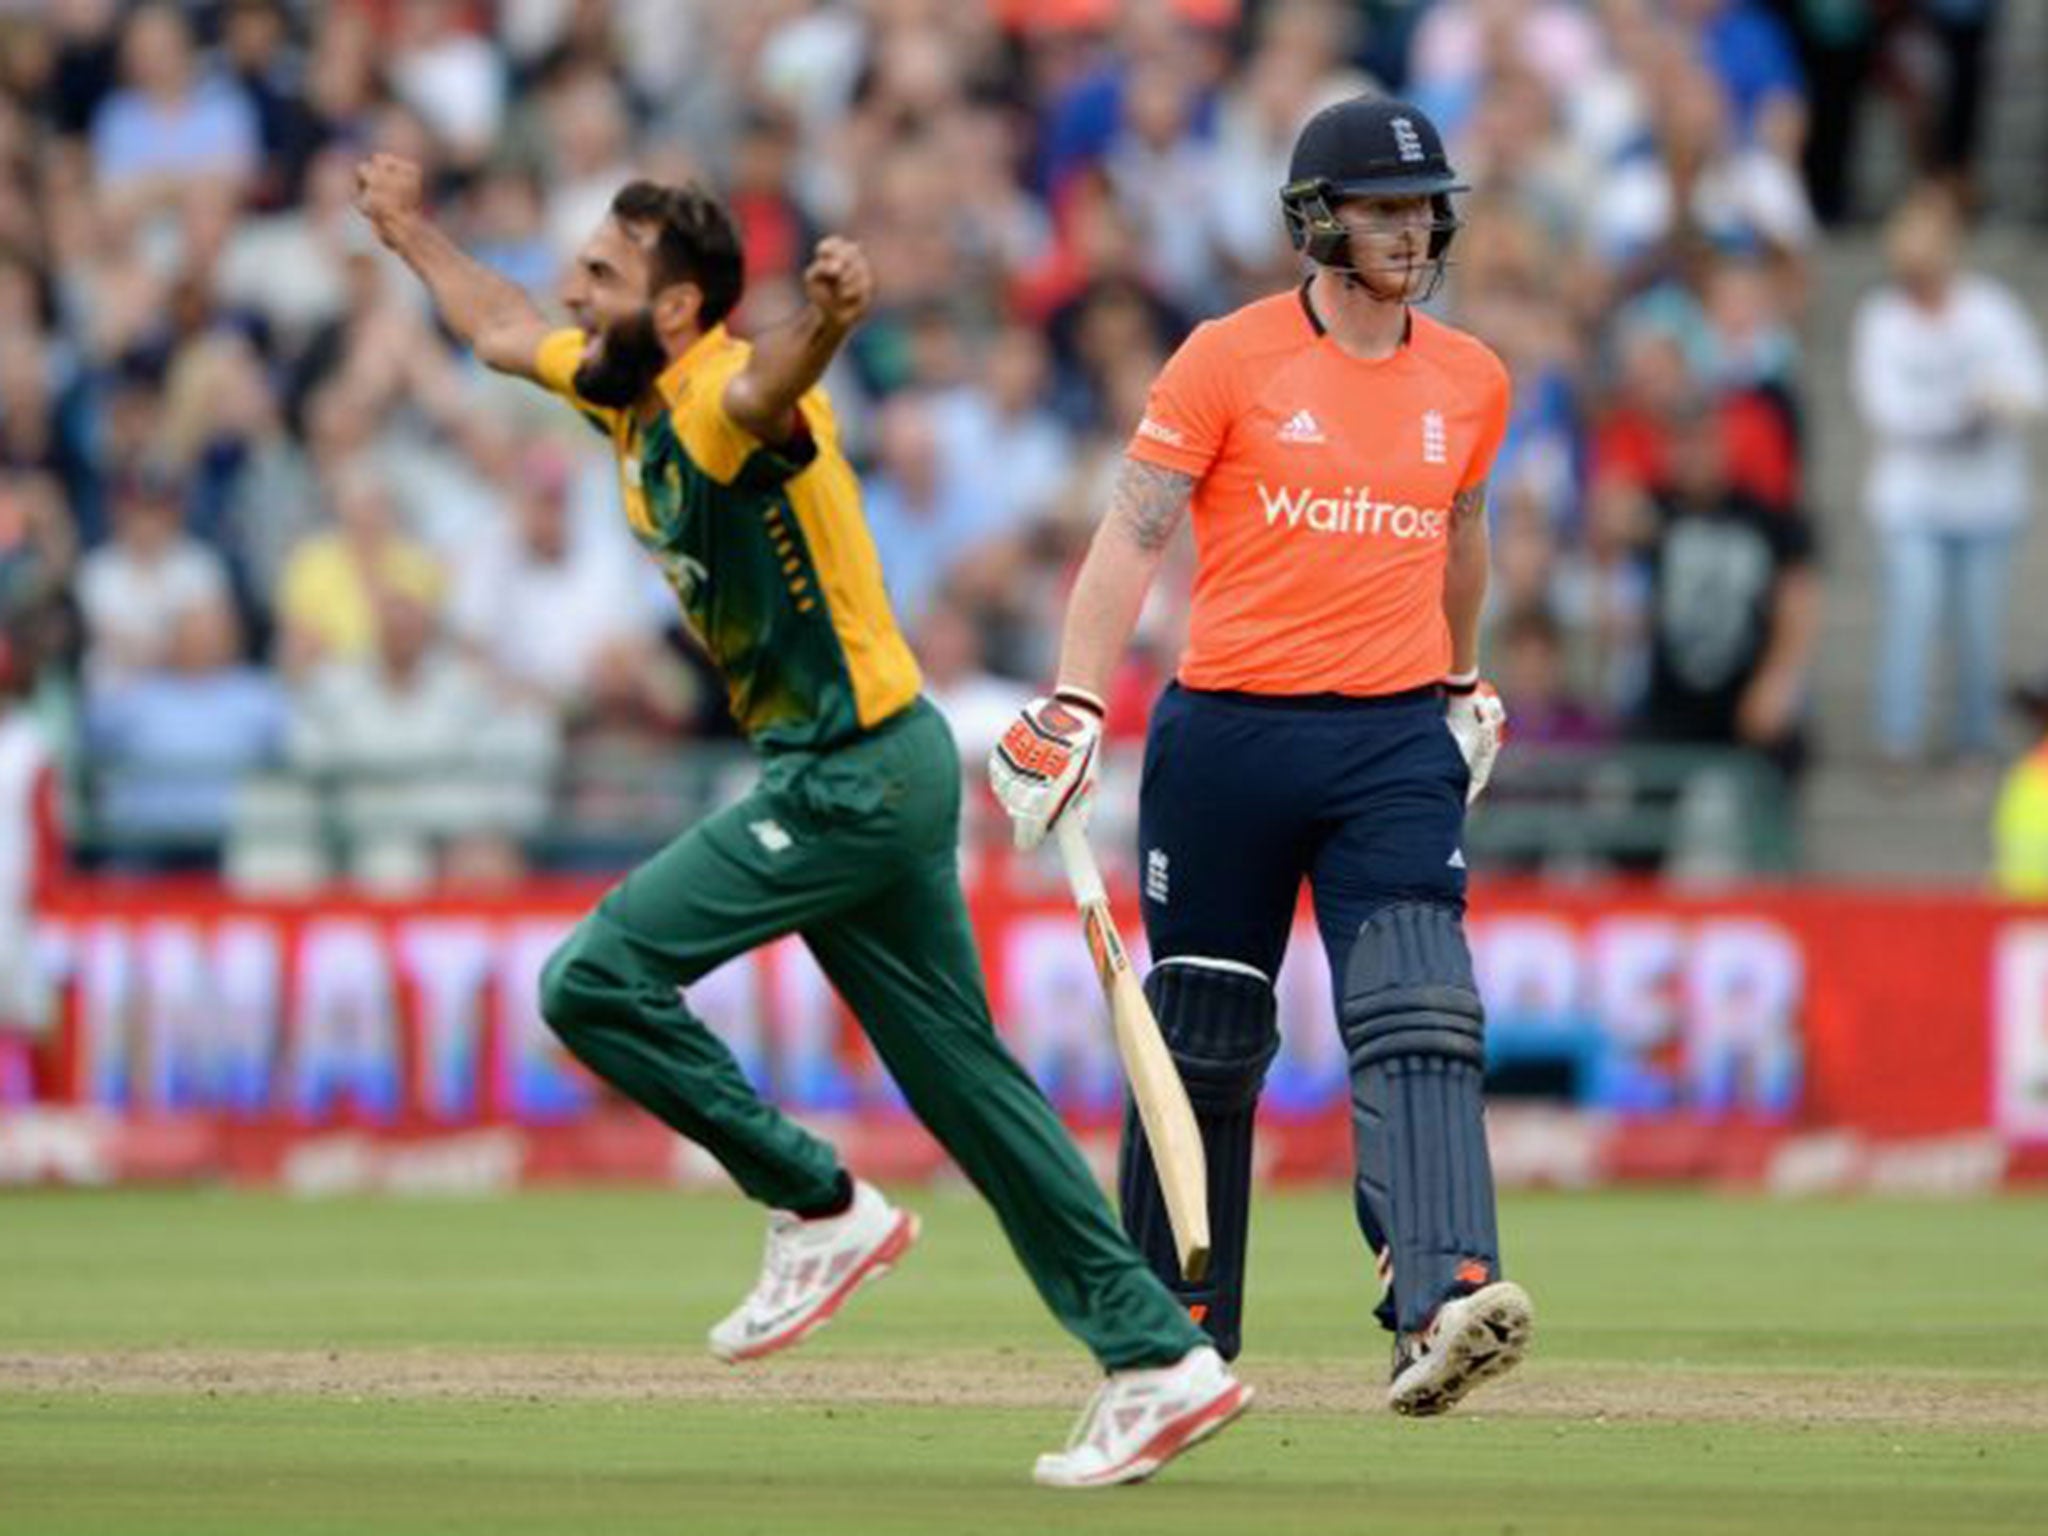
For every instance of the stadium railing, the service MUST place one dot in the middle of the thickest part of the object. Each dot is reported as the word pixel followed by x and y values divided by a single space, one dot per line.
pixel 1686 813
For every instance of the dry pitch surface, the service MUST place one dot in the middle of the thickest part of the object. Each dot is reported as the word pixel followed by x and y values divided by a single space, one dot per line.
pixel 1571 1392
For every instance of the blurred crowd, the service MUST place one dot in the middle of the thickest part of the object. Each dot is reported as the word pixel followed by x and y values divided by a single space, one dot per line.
pixel 271 546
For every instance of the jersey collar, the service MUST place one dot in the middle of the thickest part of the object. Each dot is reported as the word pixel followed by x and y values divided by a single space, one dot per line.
pixel 1315 321
pixel 676 376
pixel 1308 307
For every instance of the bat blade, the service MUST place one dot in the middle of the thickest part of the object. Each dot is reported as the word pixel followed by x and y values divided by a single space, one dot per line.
pixel 1156 1087
pixel 1169 1122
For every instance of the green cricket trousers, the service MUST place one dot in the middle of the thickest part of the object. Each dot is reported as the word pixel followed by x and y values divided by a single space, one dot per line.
pixel 855 850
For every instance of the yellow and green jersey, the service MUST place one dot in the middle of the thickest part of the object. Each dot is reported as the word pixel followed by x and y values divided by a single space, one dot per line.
pixel 766 548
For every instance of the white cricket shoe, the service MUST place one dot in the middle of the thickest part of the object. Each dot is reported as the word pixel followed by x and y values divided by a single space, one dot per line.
pixel 809 1270
pixel 1140 1420
pixel 1472 1339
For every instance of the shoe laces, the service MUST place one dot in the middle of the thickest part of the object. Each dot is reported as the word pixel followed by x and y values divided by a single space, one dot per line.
pixel 1084 1427
pixel 779 1259
pixel 1146 1392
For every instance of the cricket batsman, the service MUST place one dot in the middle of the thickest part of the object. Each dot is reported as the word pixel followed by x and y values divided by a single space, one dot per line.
pixel 733 481
pixel 1328 722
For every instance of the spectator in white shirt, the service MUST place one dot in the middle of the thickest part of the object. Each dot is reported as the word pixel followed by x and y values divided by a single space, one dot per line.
pixel 538 600
pixel 416 748
pixel 133 588
pixel 450 75
pixel 1948 371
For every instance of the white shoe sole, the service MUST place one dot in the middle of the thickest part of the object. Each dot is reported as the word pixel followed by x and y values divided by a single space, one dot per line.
pixel 1183 1434
pixel 878 1263
pixel 1488 1343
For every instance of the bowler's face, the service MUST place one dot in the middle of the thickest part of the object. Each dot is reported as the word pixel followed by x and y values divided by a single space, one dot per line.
pixel 607 282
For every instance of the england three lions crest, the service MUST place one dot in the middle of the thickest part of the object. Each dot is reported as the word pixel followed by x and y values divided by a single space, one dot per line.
pixel 1434 449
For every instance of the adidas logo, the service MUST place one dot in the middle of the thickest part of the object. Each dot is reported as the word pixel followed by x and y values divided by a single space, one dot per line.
pixel 1457 858
pixel 1301 428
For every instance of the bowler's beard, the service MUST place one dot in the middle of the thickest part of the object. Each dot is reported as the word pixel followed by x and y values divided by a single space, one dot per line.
pixel 629 359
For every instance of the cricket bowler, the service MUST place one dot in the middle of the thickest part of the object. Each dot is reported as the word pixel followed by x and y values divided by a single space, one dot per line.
pixel 734 482
pixel 1327 723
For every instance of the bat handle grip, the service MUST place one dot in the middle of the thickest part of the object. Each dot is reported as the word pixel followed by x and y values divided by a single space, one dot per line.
pixel 1082 874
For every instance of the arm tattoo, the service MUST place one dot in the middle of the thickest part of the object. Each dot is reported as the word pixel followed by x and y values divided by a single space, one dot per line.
pixel 1469 503
pixel 1148 502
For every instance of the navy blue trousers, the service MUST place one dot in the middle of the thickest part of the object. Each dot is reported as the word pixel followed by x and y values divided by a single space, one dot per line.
pixel 1244 797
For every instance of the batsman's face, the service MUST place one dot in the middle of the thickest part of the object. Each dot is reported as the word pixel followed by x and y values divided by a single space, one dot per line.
pixel 1389 241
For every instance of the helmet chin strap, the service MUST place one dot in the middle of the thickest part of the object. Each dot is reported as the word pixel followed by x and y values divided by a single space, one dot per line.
pixel 1356 278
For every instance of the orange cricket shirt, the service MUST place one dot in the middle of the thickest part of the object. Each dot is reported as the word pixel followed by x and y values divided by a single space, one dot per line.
pixel 1323 493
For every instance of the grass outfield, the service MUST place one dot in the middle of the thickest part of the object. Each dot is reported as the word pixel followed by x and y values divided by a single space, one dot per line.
pixel 228 1363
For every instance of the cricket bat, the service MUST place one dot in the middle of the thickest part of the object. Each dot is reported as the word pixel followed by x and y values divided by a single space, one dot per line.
pixel 1162 1100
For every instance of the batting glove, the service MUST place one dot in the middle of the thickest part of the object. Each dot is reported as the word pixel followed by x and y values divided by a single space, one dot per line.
pixel 1479 723
pixel 1044 767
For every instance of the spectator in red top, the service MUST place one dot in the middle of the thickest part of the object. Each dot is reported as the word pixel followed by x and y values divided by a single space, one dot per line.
pixel 774 232
pixel 1655 381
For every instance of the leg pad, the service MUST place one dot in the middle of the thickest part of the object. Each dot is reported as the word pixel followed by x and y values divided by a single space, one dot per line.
pixel 1414 1029
pixel 1219 1026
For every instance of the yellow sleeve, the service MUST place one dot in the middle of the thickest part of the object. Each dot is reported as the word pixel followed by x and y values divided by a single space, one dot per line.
pixel 555 364
pixel 724 449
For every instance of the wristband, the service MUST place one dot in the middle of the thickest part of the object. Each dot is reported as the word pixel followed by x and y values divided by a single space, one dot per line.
pixel 1462 683
pixel 1082 699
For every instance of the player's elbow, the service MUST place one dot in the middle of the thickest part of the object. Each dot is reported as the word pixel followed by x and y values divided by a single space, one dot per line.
pixel 509 344
pixel 1126 551
pixel 763 412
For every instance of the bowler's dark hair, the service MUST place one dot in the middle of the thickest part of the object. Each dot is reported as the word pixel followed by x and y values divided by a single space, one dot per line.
pixel 694 242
